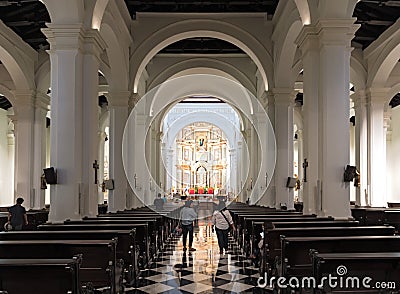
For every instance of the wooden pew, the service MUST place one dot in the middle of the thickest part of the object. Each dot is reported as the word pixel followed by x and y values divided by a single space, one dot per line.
pixel 99 265
pixel 158 226
pixel 156 229
pixel 44 276
pixel 251 226
pixel 35 218
pixel 392 217
pixel 142 233
pixel 316 223
pixel 379 266
pixel 164 223
pixel 374 216
pixel 272 241
pixel 295 255
pixel 127 249
pixel 259 226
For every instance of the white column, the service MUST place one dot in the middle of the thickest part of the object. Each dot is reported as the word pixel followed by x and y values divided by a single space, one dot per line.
pixel 74 119
pixel 360 106
pixel 284 100
pixel 254 163
pixel 169 157
pixel 266 157
pixel 270 198
pixel 11 165
pixel 300 161
pixel 24 142
pixel 101 137
pixel 133 192
pixel 309 45
pixel 93 47
pixel 146 167
pixel 118 107
pixel 376 147
pixel 242 147
pixel 233 171
pixel 161 167
pixel 334 107
pixel 41 107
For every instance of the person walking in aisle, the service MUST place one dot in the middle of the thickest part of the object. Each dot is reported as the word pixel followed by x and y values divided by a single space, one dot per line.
pixel 188 215
pixel 222 220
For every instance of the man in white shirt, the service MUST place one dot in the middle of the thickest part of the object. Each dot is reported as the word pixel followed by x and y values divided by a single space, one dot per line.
pixel 222 220
pixel 188 215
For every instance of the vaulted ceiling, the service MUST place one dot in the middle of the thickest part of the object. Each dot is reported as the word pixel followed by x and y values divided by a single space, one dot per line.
pixel 27 17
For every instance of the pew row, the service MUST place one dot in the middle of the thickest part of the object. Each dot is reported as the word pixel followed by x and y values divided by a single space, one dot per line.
pixel 27 276
pixel 356 271
pixel 296 259
pixel 99 266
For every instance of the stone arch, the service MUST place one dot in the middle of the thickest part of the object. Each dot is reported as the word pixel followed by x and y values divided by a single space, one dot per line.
pixel 98 12
pixel 384 64
pixel 65 11
pixel 358 73
pixel 18 58
pixel 201 28
pixel 182 87
pixel 118 59
pixel 336 9
pixel 43 77
pixel 393 91
pixel 287 51
pixel 209 63
pixel 304 11
pixel 6 92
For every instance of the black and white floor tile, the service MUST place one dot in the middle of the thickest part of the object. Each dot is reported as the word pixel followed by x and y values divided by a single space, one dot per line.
pixel 202 271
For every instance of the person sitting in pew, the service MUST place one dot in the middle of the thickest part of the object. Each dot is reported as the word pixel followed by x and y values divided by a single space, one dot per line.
pixel 17 215
pixel 159 203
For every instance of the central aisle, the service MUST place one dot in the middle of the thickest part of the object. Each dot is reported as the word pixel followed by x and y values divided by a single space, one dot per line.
pixel 202 271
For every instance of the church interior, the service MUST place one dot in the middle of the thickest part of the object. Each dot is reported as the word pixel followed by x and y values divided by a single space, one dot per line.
pixel 130 127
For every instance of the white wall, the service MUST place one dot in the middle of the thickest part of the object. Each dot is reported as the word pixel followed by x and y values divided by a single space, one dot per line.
pixel 6 163
pixel 393 159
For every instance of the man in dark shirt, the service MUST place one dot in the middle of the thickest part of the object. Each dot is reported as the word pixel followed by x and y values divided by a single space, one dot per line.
pixel 17 215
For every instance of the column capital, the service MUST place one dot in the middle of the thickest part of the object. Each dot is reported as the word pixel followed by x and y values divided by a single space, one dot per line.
pixel 42 101
pixel 24 99
pixel 284 95
pixel 118 98
pixel 264 99
pixel 336 31
pixel 359 98
pixel 377 95
pixel 93 42
pixel 65 36
pixel 307 39
pixel 133 100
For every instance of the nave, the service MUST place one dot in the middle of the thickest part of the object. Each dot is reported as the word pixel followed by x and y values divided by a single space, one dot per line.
pixel 202 271
pixel 137 251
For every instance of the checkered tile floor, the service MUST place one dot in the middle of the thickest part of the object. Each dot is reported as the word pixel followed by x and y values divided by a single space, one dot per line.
pixel 202 271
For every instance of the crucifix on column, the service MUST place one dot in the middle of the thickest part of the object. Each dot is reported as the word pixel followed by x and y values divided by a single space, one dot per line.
pixel 96 168
pixel 305 165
